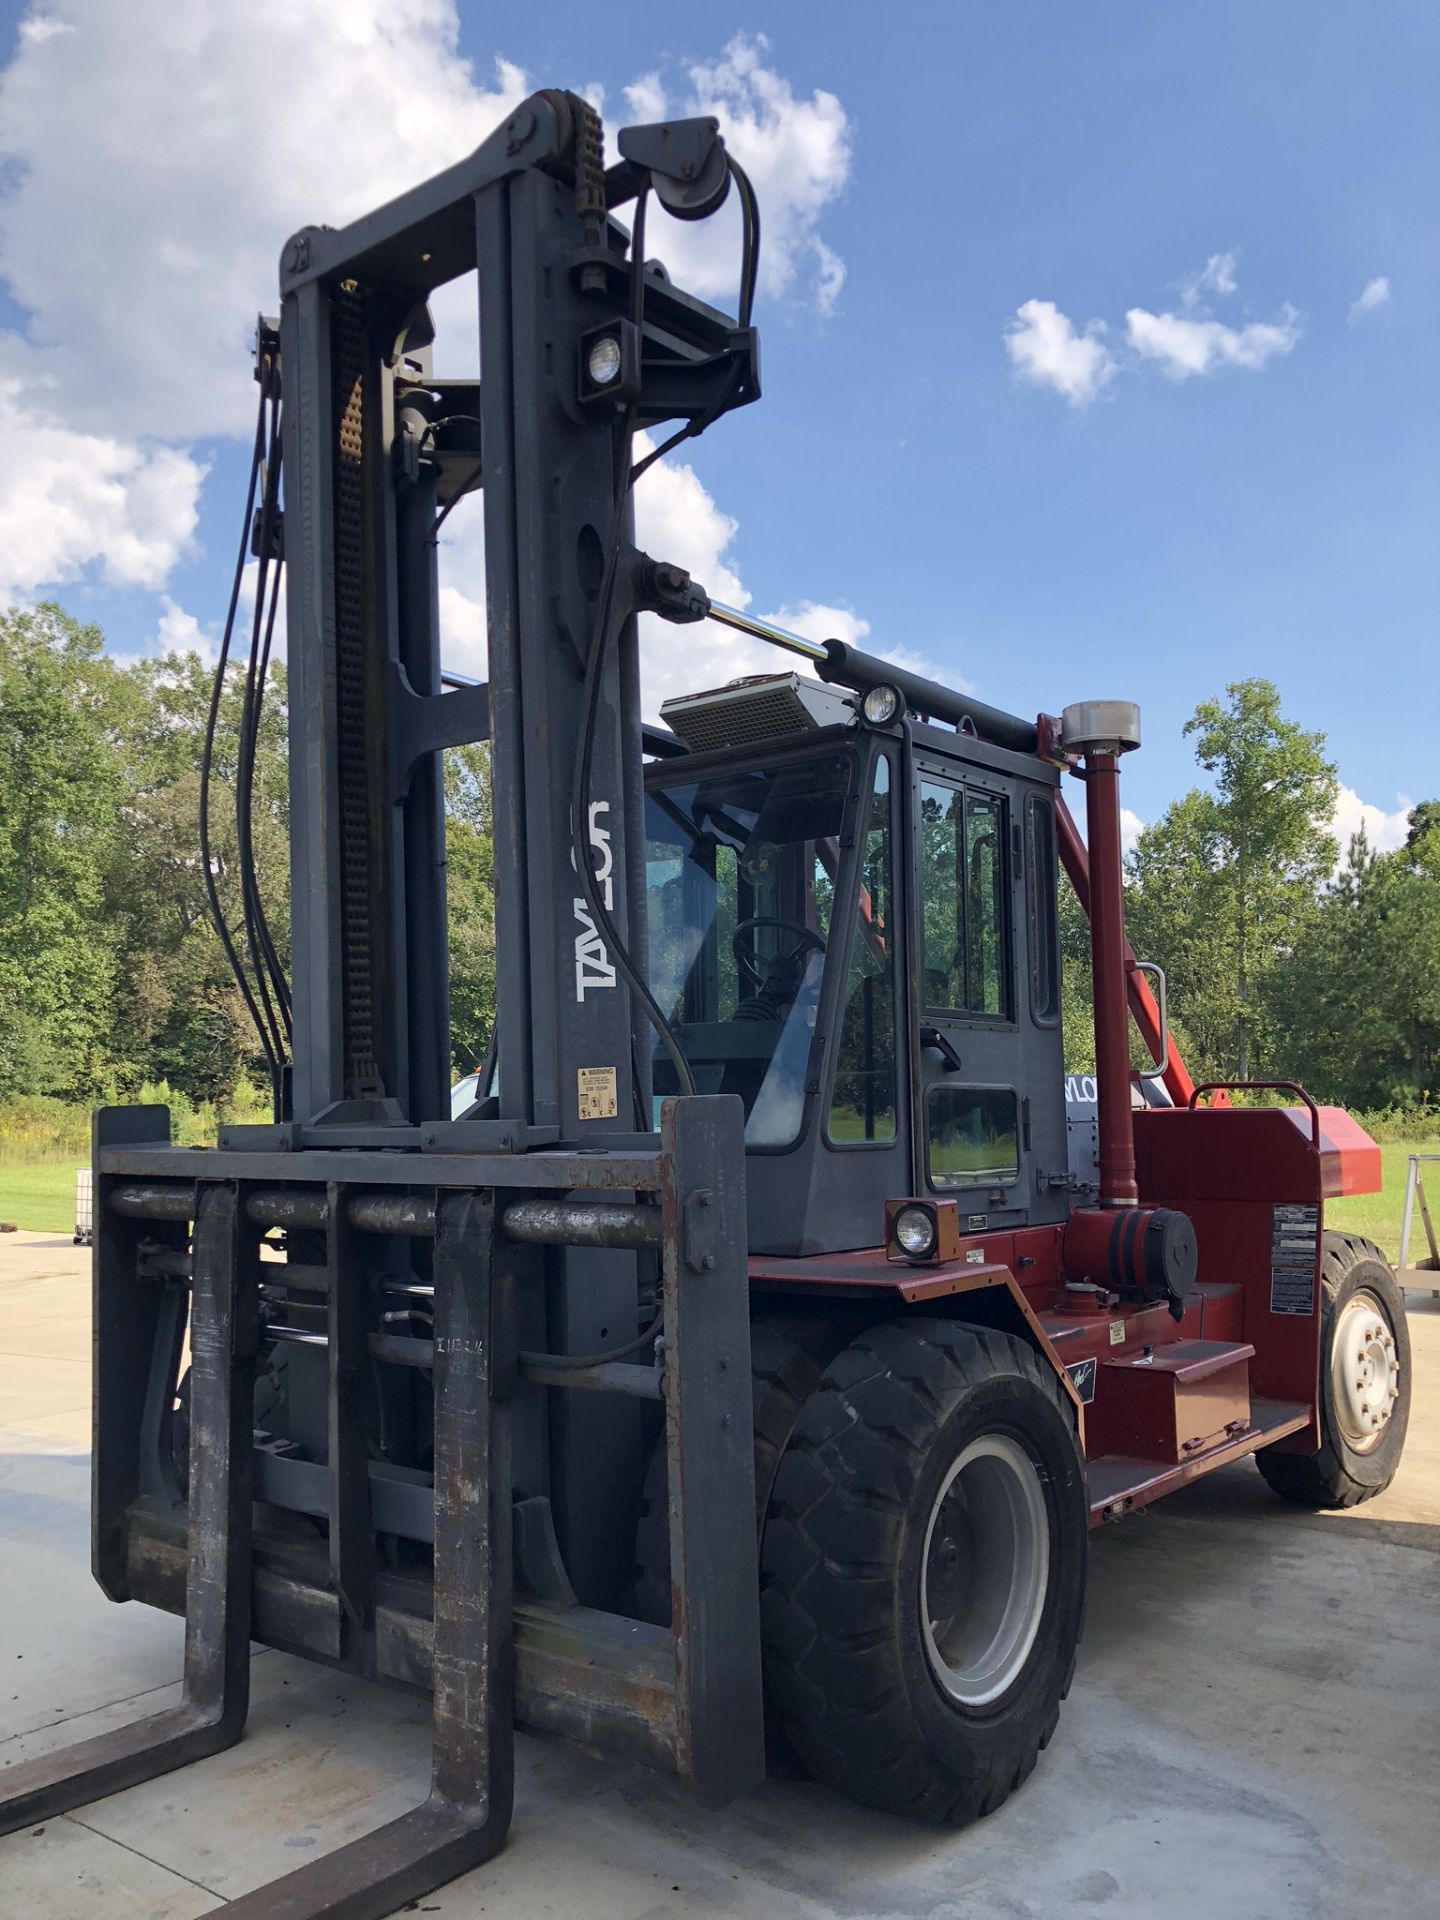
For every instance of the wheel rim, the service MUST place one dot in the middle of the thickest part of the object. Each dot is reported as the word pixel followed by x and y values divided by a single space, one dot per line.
pixel 985 1569
pixel 1364 1371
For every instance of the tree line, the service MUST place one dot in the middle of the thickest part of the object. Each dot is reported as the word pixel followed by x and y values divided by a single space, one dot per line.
pixel 1287 956
pixel 111 971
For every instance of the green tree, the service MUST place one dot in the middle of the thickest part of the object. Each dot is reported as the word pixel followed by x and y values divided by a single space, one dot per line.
pixel 1422 840
pixel 470 894
pixel 111 971
pixel 1224 886
pixel 62 714
pixel 179 1015
pixel 1360 994
pixel 1077 1007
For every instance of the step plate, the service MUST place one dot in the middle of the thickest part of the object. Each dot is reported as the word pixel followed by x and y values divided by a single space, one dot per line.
pixel 1117 1484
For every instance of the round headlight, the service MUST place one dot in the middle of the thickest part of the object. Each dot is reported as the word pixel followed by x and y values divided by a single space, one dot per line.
pixel 880 706
pixel 603 361
pixel 915 1232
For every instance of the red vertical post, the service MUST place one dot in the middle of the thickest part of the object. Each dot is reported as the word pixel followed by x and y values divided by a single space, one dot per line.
pixel 1108 973
pixel 1143 1004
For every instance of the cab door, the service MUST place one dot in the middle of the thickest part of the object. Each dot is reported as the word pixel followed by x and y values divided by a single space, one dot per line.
pixel 971 1114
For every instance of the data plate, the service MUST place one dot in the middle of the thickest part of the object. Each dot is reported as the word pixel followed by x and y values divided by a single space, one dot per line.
pixel 1294 1232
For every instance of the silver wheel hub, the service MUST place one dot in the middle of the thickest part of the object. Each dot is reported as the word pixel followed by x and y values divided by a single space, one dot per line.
pixel 1364 1371
pixel 985 1569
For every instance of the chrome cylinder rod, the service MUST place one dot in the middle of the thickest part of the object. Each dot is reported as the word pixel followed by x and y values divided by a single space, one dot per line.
pixel 763 630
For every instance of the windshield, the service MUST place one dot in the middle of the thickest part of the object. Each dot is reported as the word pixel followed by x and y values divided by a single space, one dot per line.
pixel 740 870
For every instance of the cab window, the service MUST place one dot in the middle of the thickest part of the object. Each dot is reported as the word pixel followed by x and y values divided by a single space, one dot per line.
pixel 974 1135
pixel 1044 935
pixel 963 866
pixel 741 868
pixel 863 1104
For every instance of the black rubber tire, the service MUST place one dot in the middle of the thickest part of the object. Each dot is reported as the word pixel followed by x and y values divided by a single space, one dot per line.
pixel 1336 1475
pixel 845 1665
pixel 788 1355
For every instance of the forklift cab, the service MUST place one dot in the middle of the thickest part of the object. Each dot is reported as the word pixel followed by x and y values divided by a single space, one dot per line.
pixel 853 928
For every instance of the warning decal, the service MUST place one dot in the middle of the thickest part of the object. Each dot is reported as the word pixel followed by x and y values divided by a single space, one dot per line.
pixel 1082 1375
pixel 596 1094
pixel 1294 1234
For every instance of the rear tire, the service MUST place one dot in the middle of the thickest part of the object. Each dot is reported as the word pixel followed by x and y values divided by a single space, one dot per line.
pixel 919 1641
pixel 1364 1375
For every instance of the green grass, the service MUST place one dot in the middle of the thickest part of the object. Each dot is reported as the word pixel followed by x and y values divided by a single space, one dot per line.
pixel 1377 1215
pixel 39 1195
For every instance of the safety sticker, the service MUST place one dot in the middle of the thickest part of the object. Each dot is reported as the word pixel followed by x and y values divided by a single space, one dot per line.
pixel 596 1093
pixel 1082 1378
pixel 1294 1235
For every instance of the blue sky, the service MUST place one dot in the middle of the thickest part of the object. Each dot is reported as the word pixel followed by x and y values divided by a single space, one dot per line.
pixel 1046 509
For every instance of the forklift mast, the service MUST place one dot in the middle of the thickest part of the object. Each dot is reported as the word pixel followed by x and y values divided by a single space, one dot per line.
pixel 458 1358
pixel 375 446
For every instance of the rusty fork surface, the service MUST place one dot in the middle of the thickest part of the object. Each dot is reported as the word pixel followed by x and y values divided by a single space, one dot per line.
pixel 212 1712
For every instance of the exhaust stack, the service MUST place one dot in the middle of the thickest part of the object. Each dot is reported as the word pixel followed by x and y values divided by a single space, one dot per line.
pixel 1099 731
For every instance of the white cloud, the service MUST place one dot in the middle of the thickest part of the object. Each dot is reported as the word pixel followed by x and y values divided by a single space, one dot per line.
pixel 70 499
pixel 39 27
pixel 1384 831
pixel 1131 828
pixel 462 629
pixel 678 520
pixel 1372 296
pixel 195 215
pixel 814 620
pixel 1216 276
pixel 180 632
pixel 156 141
pixel 645 98
pixel 152 149
pixel 1183 345
pixel 1194 342
pixel 797 154
pixel 1045 349
pixel 829 274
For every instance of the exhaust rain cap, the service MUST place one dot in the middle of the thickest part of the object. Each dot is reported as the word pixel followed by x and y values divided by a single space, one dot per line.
pixel 1100 726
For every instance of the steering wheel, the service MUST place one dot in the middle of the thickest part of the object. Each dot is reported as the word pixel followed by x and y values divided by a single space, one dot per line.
pixel 749 962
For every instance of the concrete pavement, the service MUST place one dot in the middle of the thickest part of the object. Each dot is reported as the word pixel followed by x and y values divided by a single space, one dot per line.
pixel 1254 1728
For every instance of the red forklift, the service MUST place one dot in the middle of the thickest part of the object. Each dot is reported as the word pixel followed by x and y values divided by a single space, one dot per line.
pixel 757 1342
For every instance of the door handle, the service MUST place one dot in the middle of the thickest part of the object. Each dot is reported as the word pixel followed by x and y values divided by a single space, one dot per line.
pixel 942 1044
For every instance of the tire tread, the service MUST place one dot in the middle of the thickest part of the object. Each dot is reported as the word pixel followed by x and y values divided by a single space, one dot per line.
pixel 1321 1480
pixel 862 1437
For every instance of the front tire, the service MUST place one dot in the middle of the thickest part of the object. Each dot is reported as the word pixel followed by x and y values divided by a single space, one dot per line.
pixel 1364 1383
pixel 788 1354
pixel 923 1569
